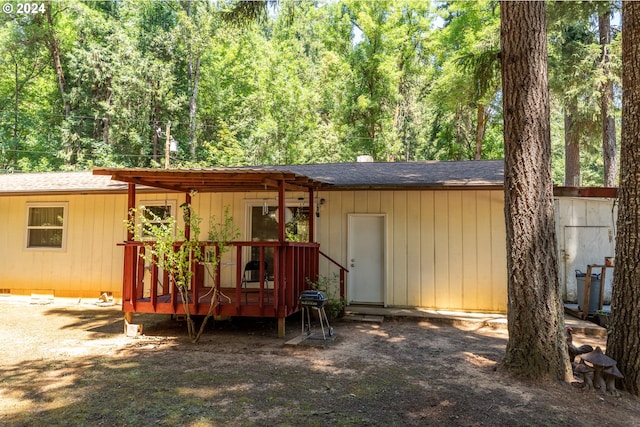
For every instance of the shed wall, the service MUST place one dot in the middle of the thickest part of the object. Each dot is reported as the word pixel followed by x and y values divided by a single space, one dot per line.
pixel 572 212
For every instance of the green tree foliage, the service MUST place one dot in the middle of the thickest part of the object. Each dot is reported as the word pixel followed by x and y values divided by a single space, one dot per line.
pixel 96 82
pixel 27 94
pixel 576 73
pixel 465 91
pixel 175 250
pixel 386 66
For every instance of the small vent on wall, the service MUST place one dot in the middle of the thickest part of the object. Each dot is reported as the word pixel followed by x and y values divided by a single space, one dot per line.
pixel 5 291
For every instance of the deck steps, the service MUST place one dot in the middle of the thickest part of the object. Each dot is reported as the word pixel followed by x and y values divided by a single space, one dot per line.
pixel 363 318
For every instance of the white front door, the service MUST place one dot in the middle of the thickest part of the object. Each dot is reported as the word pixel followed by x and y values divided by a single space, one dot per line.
pixel 366 259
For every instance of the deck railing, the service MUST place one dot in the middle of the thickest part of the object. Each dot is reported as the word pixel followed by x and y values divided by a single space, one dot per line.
pixel 341 274
pixel 286 269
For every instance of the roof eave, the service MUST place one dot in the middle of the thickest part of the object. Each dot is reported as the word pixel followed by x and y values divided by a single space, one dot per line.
pixel 213 180
pixel 78 192
pixel 595 192
pixel 415 187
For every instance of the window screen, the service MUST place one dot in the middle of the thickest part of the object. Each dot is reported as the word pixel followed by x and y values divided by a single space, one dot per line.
pixel 45 226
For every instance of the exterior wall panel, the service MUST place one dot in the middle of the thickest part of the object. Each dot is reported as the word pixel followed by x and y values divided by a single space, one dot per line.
pixel 414 249
pixel 444 249
pixel 470 241
pixel 91 262
pixel 498 263
pixel 441 232
pixel 399 251
pixel 456 261
pixel 427 250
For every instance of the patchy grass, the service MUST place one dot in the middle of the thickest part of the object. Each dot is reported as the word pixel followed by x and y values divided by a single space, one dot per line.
pixel 72 366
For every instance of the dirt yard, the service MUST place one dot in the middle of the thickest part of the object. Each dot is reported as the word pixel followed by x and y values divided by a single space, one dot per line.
pixel 72 366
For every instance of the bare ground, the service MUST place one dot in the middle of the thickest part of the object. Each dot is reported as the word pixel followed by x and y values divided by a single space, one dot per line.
pixel 63 365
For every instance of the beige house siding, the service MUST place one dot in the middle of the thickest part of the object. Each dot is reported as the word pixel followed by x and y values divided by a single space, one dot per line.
pixel 445 249
pixel 90 261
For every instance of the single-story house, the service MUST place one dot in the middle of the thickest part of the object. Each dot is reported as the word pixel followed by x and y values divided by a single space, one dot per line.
pixel 417 234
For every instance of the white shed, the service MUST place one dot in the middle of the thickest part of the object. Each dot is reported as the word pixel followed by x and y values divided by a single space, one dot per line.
pixel 586 232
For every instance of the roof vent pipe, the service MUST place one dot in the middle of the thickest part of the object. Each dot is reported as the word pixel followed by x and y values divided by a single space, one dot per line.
pixel 365 159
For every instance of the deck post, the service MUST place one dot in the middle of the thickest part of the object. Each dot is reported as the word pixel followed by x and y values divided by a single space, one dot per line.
pixel 128 318
pixel 281 327
pixel 281 217
pixel 312 228
pixel 281 260
pixel 130 253
pixel 131 204
pixel 187 217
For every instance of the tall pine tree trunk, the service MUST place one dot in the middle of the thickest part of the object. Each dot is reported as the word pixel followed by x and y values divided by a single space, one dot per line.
pixel 194 73
pixel 16 103
pixel 106 119
pixel 537 346
pixel 623 343
pixel 481 127
pixel 54 48
pixel 194 77
pixel 606 107
pixel 571 144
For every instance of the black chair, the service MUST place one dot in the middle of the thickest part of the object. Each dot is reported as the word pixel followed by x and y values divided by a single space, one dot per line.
pixel 251 274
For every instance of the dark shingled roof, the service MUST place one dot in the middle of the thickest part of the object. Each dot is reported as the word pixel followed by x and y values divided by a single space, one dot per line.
pixel 431 174
pixel 58 183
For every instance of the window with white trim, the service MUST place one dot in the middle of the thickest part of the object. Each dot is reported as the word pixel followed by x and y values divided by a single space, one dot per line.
pixel 158 212
pixel 47 225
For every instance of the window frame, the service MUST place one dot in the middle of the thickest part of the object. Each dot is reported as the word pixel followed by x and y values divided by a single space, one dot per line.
pixel 172 204
pixel 272 202
pixel 64 227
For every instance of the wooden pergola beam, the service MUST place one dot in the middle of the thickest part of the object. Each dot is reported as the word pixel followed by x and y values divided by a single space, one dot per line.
pixel 289 186
pixel 213 180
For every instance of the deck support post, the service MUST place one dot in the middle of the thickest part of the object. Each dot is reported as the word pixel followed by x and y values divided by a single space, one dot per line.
pixel 187 217
pixel 128 318
pixel 282 205
pixel 281 328
pixel 131 204
pixel 312 218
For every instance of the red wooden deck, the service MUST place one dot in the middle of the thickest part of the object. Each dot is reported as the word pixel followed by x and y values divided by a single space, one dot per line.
pixel 147 289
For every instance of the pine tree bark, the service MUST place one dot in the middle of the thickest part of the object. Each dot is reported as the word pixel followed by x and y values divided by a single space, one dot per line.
pixel 623 343
pixel 54 48
pixel 481 127
pixel 194 75
pixel 537 346
pixel 606 106
pixel 571 145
